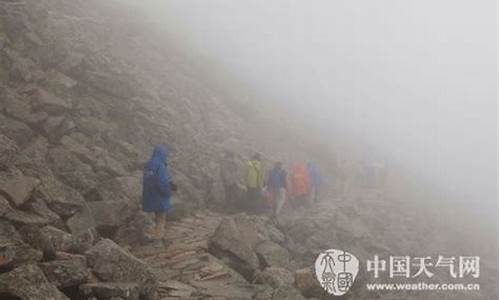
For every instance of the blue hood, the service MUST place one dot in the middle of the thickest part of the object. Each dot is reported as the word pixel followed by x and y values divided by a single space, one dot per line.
pixel 158 158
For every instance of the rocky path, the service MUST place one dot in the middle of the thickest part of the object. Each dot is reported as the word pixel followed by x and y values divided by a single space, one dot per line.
pixel 184 266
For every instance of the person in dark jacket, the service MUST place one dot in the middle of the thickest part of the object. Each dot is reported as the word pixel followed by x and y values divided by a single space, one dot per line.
pixel 156 187
pixel 276 186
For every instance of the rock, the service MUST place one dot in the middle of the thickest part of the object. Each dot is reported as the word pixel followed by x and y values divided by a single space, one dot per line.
pixel 59 82
pixel 305 281
pixel 287 293
pixel 229 241
pixel 111 263
pixel 137 231
pixel 53 105
pixel 15 251
pixel 65 273
pixel 16 131
pixel 16 187
pixel 21 68
pixel 111 213
pixel 31 160
pixel 28 283
pixel 73 257
pixel 81 221
pixel 71 170
pixel 61 240
pixel 60 198
pixel 38 240
pixel 273 254
pixel 19 108
pixel 128 189
pixel 8 152
pixel 108 290
pixel 275 277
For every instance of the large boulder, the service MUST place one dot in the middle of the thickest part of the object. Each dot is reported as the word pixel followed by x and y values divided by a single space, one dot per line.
pixel 65 273
pixel 272 254
pixel 66 242
pixel 20 217
pixel 16 187
pixel 229 242
pixel 82 221
pixel 111 263
pixel 28 283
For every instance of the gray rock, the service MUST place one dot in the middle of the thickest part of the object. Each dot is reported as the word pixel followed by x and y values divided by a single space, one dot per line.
pixel 61 240
pixel 31 160
pixel 287 293
pixel 273 254
pixel 107 290
pixel 228 239
pixel 17 187
pixel 60 198
pixel 275 277
pixel 82 221
pixel 19 108
pixel 8 152
pixel 43 100
pixel 111 263
pixel 111 213
pixel 71 170
pixel 65 273
pixel 29 283
pixel 16 251
pixel 35 237
pixel 16 131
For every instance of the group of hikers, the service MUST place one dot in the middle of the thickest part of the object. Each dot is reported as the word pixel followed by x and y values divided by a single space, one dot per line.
pixel 297 185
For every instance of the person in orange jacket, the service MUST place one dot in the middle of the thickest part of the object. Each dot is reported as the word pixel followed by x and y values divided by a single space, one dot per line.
pixel 299 179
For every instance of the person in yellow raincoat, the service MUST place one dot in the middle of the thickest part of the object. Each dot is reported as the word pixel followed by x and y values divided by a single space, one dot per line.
pixel 254 182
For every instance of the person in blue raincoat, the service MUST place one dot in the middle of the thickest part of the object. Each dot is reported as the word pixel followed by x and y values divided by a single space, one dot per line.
pixel 156 189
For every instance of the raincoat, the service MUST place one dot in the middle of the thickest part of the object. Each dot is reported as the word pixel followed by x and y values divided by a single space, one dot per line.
pixel 155 186
pixel 255 175
pixel 299 180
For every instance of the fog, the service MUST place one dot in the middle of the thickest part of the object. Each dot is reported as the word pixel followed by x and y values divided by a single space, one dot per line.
pixel 411 83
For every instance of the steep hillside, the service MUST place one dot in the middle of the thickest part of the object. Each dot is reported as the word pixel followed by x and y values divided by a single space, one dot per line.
pixel 87 88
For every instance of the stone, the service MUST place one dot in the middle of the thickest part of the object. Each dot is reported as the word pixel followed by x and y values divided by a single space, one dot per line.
pixel 228 239
pixel 273 254
pixel 305 281
pixel 275 277
pixel 69 256
pixel 61 240
pixel 53 105
pixel 60 198
pixel 111 213
pixel 287 293
pixel 59 82
pixel 19 108
pixel 65 273
pixel 71 170
pixel 28 283
pixel 127 189
pixel 16 131
pixel 111 263
pixel 14 250
pixel 35 237
pixel 81 221
pixel 8 152
pixel 107 290
pixel 16 187
pixel 31 160
pixel 21 68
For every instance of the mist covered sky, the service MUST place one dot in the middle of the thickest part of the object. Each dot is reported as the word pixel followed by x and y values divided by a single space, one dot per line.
pixel 413 82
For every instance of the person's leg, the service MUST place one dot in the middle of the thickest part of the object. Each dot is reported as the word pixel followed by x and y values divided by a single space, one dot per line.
pixel 160 220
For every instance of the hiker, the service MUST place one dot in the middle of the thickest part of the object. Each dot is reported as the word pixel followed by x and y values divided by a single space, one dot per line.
pixel 276 187
pixel 156 188
pixel 299 179
pixel 229 175
pixel 254 182
pixel 314 181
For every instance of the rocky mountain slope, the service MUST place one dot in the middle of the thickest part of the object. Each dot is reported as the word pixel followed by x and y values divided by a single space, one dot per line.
pixel 86 90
